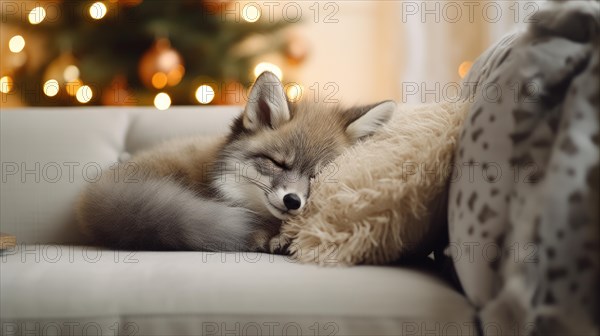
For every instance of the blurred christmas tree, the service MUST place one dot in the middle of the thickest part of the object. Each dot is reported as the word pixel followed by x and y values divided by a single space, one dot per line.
pixel 134 52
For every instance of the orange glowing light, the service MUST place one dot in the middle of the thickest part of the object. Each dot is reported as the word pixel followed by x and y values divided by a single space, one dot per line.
pixel 463 68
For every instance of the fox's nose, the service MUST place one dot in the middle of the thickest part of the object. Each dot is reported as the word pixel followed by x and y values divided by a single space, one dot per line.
pixel 292 201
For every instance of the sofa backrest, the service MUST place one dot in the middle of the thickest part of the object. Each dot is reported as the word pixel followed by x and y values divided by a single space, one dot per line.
pixel 47 154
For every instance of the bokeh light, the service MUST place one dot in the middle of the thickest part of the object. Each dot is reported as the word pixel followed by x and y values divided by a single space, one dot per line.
pixel 205 94
pixel 73 86
pixel 37 15
pixel 6 84
pixel 294 92
pixel 98 10
pixel 16 44
pixel 266 66
pixel 251 13
pixel 174 76
pixel 51 88
pixel 162 101
pixel 463 68
pixel 84 94
pixel 71 73
pixel 159 80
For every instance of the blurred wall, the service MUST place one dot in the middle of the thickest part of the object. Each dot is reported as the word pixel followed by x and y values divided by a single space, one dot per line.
pixel 385 49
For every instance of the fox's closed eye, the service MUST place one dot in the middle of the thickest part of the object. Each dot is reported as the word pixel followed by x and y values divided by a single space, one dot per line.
pixel 270 164
pixel 276 163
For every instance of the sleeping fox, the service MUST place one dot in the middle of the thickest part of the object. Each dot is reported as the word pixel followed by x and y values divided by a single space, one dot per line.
pixel 229 193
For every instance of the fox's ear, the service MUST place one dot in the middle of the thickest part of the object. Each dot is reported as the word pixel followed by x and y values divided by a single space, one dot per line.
pixel 267 105
pixel 366 120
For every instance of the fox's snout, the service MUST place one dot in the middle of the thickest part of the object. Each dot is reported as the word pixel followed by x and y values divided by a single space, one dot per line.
pixel 289 199
pixel 292 201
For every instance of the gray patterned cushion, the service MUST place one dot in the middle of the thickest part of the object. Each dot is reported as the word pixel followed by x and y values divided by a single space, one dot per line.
pixel 523 210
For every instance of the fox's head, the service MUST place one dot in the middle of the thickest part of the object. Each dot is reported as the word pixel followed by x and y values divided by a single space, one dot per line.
pixel 276 147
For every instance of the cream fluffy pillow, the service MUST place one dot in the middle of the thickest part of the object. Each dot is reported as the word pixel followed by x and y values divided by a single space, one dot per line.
pixel 383 200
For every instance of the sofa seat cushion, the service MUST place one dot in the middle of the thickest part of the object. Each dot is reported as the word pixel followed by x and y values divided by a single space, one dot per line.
pixel 81 290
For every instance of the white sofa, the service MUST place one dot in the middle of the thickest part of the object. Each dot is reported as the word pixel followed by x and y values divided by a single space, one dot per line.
pixel 51 283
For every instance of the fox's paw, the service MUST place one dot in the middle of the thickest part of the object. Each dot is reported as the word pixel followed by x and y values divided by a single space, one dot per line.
pixel 279 245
